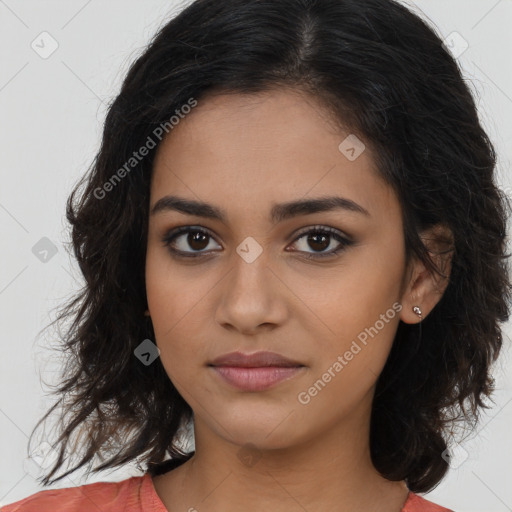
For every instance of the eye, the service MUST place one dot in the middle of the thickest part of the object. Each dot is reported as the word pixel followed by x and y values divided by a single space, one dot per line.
pixel 320 238
pixel 197 239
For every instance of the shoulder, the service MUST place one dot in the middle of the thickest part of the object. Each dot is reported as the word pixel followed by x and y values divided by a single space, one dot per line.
pixel 104 496
pixel 416 503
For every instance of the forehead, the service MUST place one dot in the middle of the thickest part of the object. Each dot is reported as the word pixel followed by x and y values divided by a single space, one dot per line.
pixel 242 150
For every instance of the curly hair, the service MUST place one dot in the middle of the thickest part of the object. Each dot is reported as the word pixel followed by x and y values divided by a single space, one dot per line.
pixel 382 72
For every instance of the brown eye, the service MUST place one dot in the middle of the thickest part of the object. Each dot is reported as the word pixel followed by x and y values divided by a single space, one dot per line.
pixel 188 241
pixel 317 241
pixel 321 238
pixel 197 239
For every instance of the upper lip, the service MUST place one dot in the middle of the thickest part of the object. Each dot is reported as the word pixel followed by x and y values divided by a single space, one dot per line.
pixel 255 360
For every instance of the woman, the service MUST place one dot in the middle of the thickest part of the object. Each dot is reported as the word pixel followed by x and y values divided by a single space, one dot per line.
pixel 293 241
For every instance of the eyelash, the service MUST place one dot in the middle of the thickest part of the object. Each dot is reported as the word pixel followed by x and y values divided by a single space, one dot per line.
pixel 344 242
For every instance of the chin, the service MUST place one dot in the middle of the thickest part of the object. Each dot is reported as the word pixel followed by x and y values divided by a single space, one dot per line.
pixel 264 431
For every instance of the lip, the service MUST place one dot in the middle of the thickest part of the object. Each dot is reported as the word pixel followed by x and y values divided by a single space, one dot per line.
pixel 256 379
pixel 255 372
pixel 255 360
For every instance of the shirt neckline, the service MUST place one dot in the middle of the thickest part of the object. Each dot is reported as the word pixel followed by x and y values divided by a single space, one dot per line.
pixel 151 502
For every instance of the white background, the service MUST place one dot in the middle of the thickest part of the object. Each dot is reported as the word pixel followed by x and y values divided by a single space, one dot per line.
pixel 51 118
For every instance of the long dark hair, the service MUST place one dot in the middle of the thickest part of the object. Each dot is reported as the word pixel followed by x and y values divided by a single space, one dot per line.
pixel 385 75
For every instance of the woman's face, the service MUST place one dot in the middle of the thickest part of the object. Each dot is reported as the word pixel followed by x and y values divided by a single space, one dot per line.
pixel 258 282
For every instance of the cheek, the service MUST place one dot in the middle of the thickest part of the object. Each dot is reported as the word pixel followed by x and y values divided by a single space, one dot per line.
pixel 176 299
pixel 348 365
pixel 360 312
pixel 168 301
pixel 172 292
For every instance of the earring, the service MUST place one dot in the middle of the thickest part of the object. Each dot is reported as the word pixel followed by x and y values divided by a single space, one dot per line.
pixel 147 313
pixel 417 310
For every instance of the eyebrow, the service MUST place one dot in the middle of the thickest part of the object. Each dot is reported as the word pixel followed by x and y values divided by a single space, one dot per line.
pixel 279 212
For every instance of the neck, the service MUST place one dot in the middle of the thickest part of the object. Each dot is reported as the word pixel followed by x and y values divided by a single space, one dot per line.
pixel 331 470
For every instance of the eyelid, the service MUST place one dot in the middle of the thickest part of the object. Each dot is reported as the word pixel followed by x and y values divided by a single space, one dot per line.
pixel 173 233
pixel 322 227
pixel 344 240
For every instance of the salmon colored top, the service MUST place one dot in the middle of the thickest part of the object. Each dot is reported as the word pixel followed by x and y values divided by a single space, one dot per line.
pixel 135 494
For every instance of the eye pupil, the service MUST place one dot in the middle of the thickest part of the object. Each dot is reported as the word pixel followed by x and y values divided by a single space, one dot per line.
pixel 314 238
pixel 193 242
pixel 196 237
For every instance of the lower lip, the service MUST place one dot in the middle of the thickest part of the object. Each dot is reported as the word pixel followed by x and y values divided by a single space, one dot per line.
pixel 256 379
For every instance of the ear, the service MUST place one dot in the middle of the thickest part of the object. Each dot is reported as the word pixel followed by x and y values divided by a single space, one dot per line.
pixel 422 287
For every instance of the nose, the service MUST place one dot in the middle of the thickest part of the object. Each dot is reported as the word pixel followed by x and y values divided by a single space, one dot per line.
pixel 252 297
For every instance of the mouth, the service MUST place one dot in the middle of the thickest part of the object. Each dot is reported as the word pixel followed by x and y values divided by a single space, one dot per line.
pixel 255 372
pixel 255 360
pixel 256 379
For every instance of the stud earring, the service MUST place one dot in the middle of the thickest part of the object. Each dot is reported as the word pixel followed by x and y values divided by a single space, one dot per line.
pixel 147 313
pixel 417 310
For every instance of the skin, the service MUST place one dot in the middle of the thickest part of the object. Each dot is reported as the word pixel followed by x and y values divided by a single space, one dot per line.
pixel 245 153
